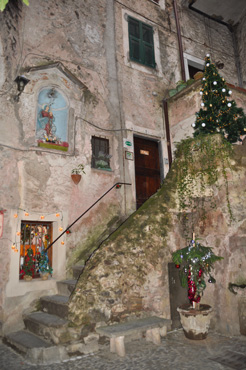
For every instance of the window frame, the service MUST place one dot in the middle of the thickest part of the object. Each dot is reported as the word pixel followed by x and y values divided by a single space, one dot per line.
pixel 143 44
pixel 190 60
pixel 34 225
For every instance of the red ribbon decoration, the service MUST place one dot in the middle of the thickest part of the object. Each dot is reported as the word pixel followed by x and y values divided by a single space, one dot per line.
pixel 192 288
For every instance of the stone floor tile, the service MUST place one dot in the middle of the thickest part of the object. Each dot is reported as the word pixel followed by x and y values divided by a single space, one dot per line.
pixel 175 352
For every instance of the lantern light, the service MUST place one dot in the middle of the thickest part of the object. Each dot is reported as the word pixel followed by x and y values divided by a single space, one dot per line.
pixel 21 81
pixel 62 243
pixel 57 214
pixel 15 215
pixel 60 228
pixel 26 214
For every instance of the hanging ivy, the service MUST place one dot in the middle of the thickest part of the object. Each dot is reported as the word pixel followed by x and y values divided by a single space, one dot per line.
pixel 201 161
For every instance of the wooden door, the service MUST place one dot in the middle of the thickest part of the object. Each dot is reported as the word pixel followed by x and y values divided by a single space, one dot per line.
pixel 178 295
pixel 147 169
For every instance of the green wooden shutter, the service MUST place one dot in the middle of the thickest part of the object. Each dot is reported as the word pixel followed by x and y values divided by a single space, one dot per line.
pixel 148 45
pixel 141 42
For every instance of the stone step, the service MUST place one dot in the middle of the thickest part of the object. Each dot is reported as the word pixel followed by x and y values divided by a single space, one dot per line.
pixel 48 326
pixel 35 349
pixel 23 340
pixel 55 305
pixel 65 287
pixel 77 269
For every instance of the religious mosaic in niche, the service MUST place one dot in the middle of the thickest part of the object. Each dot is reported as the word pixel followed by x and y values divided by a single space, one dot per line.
pixel 52 120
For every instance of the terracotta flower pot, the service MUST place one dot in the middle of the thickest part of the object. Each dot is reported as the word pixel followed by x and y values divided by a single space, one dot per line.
pixel 76 177
pixel 195 322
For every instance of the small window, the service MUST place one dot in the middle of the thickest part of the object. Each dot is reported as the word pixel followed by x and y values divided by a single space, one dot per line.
pixel 100 153
pixel 192 65
pixel 35 238
pixel 193 70
pixel 141 42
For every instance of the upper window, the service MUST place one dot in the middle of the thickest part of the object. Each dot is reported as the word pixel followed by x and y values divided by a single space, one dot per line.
pixel 192 65
pixel 100 153
pixel 141 42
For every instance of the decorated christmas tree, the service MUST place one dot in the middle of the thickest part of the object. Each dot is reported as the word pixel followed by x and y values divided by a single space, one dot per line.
pixel 195 262
pixel 44 266
pixel 29 263
pixel 218 113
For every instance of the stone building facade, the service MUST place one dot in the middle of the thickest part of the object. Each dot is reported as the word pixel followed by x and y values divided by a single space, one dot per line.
pixel 98 74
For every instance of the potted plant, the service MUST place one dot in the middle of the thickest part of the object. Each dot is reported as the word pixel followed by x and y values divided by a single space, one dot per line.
pixel 180 85
pixel 44 267
pixel 76 173
pixel 29 265
pixel 102 161
pixel 195 262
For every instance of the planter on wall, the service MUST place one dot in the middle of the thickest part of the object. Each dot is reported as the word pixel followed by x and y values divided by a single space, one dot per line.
pixel 195 322
pixel 44 276
pixel 27 277
pixel 76 178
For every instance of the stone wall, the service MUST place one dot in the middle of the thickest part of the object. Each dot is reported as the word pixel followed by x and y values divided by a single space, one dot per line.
pixel 42 41
pixel 183 106
pixel 240 35
pixel 83 51
pixel 128 276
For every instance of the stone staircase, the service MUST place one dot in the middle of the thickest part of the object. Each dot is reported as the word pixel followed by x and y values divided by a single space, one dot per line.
pixel 47 337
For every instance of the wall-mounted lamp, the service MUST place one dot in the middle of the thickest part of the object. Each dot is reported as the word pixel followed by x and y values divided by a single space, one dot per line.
pixel 219 65
pixel 21 81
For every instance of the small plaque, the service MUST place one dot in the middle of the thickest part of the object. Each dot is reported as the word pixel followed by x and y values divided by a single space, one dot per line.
pixel 144 152
pixel 129 155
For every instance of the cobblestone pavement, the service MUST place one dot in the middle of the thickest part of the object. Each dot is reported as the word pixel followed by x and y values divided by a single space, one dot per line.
pixel 175 352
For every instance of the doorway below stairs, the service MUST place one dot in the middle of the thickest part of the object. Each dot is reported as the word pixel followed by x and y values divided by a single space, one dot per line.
pixel 147 168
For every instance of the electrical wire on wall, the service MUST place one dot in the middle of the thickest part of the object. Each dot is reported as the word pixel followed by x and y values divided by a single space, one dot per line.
pixel 100 128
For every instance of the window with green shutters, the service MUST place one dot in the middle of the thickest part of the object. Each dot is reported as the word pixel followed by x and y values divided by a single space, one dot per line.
pixel 141 42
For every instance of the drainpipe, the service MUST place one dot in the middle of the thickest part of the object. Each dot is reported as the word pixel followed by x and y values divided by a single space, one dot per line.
pixel 181 52
pixel 234 40
pixel 169 148
pixel 164 102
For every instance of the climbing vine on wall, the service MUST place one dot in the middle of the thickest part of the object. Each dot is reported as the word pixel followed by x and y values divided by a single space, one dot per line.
pixel 200 163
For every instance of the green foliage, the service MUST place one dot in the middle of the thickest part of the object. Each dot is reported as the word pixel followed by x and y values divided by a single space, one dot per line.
pixel 200 162
pixel 78 169
pixel 29 263
pixel 219 113
pixel 193 259
pixel 3 4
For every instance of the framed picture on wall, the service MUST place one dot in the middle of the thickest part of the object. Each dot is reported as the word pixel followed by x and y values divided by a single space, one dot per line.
pixel 129 155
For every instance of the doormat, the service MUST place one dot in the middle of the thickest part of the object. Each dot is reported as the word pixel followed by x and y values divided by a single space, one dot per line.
pixel 231 359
